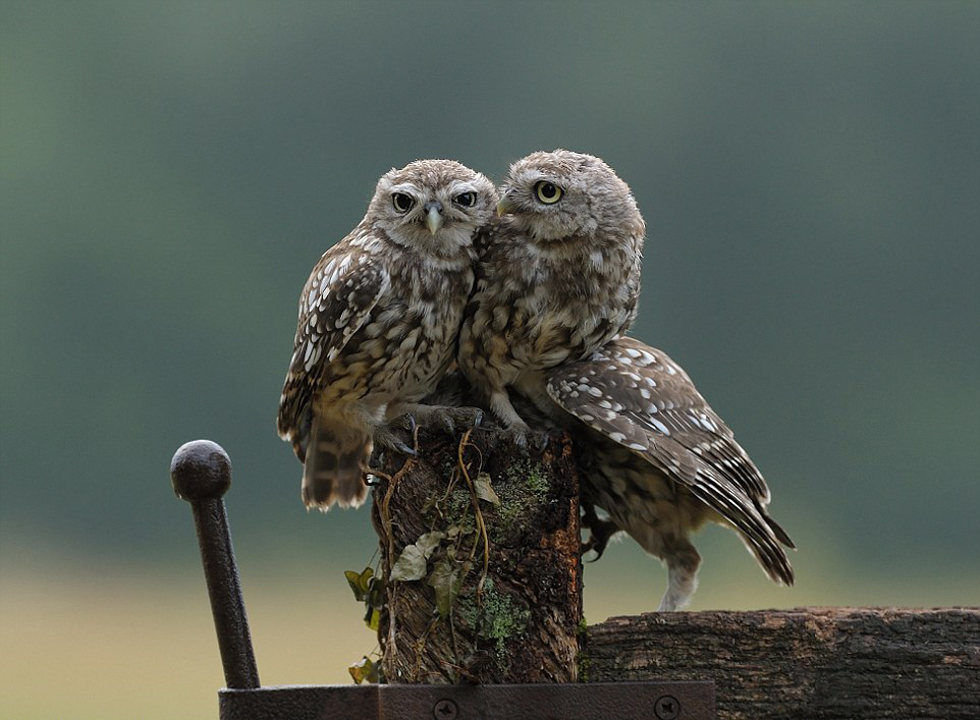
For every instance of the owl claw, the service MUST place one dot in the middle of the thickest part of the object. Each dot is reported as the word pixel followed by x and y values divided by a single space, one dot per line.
pixel 389 435
pixel 598 540
pixel 600 531
pixel 525 438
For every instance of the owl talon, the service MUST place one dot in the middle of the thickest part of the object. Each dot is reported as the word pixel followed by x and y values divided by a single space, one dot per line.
pixel 598 540
pixel 389 435
pixel 527 439
pixel 600 531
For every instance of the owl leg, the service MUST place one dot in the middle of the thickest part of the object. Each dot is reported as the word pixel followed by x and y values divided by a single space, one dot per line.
pixel 447 417
pixel 682 574
pixel 520 431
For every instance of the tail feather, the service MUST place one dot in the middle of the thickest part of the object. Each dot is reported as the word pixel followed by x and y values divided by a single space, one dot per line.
pixel 768 551
pixel 781 534
pixel 332 470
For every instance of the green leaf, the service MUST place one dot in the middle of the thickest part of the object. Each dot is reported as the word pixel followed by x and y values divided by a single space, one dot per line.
pixel 372 618
pixel 375 597
pixel 364 670
pixel 483 489
pixel 411 564
pixel 359 582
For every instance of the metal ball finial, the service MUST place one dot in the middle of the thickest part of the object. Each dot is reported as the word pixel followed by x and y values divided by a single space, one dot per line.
pixel 200 470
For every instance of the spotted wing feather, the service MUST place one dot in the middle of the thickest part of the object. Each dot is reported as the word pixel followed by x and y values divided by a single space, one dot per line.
pixel 638 397
pixel 337 300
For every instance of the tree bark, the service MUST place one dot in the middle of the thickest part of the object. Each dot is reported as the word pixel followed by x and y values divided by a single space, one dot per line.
pixel 492 533
pixel 808 663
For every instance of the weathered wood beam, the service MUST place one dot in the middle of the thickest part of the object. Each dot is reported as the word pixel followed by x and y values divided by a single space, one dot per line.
pixel 805 664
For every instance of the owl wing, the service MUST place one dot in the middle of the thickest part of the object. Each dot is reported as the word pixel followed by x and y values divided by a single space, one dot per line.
pixel 337 300
pixel 638 397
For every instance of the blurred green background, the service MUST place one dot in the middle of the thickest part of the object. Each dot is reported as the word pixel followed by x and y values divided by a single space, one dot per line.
pixel 810 176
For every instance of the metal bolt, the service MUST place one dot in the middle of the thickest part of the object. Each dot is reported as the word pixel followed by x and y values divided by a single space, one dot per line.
pixel 667 707
pixel 445 710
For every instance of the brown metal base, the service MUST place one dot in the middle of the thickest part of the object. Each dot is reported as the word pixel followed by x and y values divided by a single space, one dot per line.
pixel 590 701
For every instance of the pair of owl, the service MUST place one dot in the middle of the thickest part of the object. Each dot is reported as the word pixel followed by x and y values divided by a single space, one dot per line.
pixel 532 303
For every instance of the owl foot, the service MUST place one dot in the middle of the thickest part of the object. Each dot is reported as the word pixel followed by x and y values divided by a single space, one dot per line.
pixel 599 535
pixel 396 435
pixel 525 438
pixel 447 417
pixel 600 531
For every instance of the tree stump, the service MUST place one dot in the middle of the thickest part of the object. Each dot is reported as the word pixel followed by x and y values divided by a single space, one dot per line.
pixel 480 559
pixel 805 664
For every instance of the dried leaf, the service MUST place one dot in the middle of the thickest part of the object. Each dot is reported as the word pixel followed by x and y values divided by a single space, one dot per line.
pixel 411 564
pixel 428 542
pixel 446 579
pixel 483 489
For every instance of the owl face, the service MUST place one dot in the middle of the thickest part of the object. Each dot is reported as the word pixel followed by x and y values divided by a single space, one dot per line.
pixel 432 205
pixel 555 195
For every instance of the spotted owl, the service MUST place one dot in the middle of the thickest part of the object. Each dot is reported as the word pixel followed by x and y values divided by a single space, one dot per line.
pixel 660 462
pixel 558 277
pixel 378 323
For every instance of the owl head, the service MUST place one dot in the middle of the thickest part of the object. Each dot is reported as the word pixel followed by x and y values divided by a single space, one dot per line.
pixel 432 205
pixel 561 194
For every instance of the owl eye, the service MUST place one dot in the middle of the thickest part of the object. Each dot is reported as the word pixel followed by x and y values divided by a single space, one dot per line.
pixel 466 199
pixel 547 192
pixel 402 202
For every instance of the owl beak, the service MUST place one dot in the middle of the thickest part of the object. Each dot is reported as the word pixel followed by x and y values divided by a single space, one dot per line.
pixel 433 216
pixel 506 205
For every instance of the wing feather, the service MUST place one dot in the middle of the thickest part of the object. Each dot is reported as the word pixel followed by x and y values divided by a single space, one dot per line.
pixel 337 300
pixel 638 397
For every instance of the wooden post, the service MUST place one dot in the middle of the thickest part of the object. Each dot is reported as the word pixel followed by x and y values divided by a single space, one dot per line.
pixel 480 554
pixel 805 664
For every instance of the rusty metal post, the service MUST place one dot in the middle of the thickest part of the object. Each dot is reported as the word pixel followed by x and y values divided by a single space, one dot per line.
pixel 201 474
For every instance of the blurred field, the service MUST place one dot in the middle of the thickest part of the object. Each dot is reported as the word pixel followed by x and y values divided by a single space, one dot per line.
pixel 126 643
pixel 169 172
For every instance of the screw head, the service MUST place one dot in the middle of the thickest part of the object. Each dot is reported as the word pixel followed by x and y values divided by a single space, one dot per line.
pixel 667 707
pixel 445 710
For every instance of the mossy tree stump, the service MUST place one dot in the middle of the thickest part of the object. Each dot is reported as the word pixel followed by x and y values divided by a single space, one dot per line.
pixel 480 556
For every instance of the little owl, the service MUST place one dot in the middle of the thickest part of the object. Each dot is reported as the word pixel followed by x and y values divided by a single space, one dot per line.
pixel 558 277
pixel 660 462
pixel 378 323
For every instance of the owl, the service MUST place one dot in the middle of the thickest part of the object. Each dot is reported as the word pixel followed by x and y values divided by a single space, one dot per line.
pixel 378 323
pixel 558 277
pixel 660 462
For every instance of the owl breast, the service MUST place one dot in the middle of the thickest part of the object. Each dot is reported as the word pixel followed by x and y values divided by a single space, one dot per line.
pixel 406 344
pixel 549 314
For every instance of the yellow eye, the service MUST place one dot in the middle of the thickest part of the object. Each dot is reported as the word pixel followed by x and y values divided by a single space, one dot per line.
pixel 547 192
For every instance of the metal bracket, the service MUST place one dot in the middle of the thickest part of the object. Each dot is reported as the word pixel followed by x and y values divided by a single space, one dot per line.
pixel 605 701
